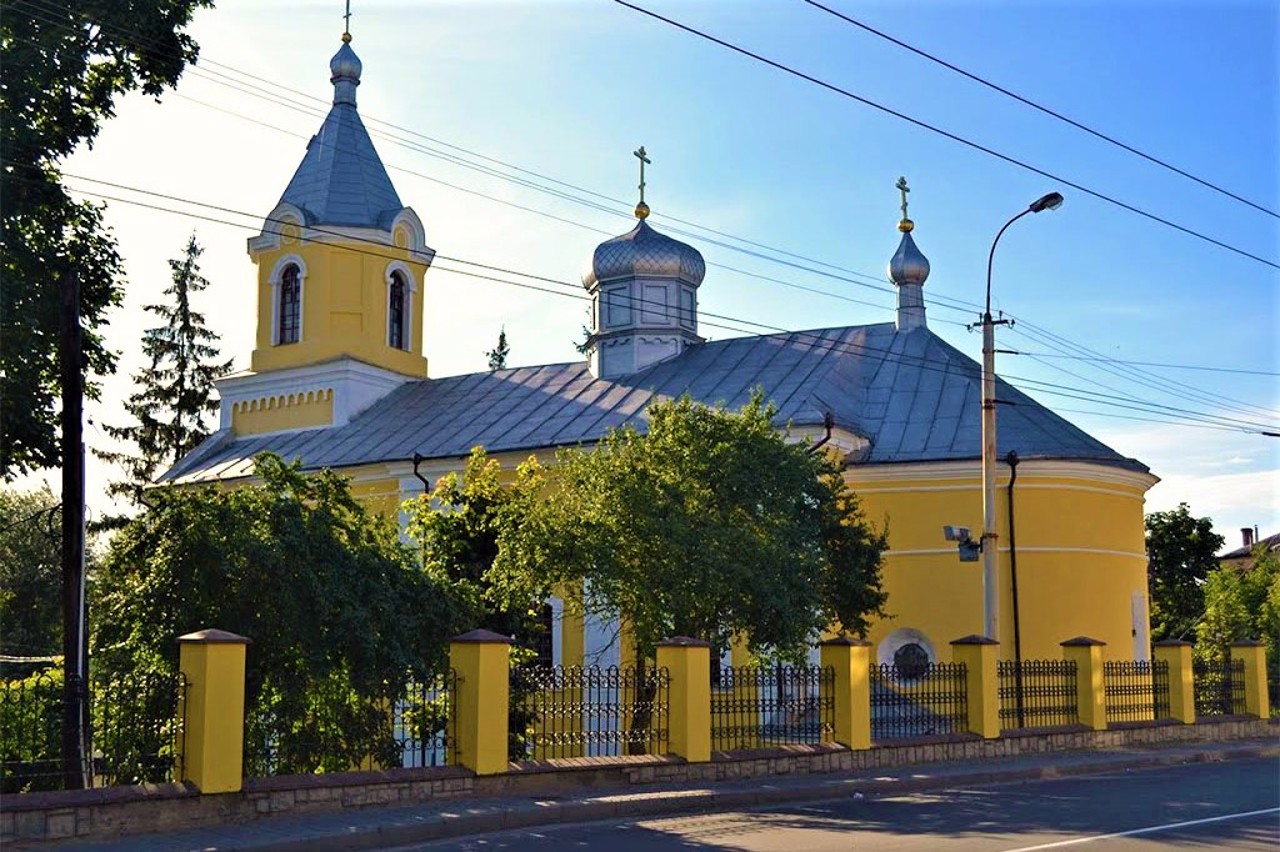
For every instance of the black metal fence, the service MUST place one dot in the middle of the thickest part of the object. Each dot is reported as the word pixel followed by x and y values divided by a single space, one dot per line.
pixel 591 711
pixel 326 726
pixel 1136 690
pixel 760 706
pixel 133 734
pixel 1037 693
pixel 1219 687
pixel 919 703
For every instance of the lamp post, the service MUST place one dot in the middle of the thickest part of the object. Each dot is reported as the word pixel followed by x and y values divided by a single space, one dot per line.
pixel 990 550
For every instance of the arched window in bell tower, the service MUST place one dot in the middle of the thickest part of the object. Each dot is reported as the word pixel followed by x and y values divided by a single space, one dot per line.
pixel 398 312
pixel 289 306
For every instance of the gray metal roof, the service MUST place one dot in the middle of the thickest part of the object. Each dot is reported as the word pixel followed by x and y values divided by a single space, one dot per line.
pixel 341 180
pixel 911 394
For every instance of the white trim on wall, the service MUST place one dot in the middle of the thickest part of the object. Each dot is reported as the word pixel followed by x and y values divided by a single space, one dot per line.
pixel 274 280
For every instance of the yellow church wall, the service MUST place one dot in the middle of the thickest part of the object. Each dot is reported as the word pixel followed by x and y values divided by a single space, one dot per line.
pixel 286 411
pixel 1080 555
pixel 344 307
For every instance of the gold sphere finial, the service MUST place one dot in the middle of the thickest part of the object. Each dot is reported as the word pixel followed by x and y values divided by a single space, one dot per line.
pixel 346 38
pixel 642 211
pixel 906 226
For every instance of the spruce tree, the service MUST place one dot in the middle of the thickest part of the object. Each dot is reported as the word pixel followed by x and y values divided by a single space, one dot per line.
pixel 498 354
pixel 174 392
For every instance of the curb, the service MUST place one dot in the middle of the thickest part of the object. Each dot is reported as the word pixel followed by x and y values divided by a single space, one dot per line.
pixel 483 821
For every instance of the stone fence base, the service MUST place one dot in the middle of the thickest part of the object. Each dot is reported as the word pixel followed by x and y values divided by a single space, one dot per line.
pixel 121 811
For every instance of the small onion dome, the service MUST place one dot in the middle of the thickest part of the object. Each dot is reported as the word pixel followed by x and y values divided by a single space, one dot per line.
pixel 643 252
pixel 908 265
pixel 345 64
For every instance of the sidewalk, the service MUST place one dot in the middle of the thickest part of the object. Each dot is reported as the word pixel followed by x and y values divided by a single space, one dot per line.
pixel 378 828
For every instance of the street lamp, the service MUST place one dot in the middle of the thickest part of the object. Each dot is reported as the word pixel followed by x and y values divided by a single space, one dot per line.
pixel 990 552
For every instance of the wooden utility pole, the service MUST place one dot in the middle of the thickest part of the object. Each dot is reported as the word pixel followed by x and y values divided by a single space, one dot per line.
pixel 75 688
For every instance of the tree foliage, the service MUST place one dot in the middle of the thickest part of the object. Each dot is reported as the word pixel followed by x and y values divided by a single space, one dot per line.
pixel 709 524
pixel 338 612
pixel 498 354
pixel 1180 554
pixel 174 395
pixel 30 573
pixel 62 66
pixel 1242 602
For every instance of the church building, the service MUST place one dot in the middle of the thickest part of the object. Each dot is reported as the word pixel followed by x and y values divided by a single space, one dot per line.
pixel 337 380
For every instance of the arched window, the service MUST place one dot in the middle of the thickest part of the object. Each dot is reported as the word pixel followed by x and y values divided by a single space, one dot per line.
pixel 397 313
pixel 289 315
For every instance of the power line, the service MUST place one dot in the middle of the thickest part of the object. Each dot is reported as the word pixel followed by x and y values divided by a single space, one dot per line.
pixel 257 91
pixel 1119 401
pixel 1040 107
pixel 946 133
pixel 1159 364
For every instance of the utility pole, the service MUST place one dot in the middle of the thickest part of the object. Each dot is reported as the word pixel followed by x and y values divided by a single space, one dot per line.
pixel 74 657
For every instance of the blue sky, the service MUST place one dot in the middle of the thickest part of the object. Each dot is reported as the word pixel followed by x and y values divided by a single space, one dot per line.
pixel 569 89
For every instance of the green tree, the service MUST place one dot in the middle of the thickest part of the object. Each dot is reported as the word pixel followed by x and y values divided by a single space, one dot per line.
pixel 498 354
pixel 340 614
pixel 709 524
pixel 1180 554
pixel 174 395
pixel 62 65
pixel 1242 602
pixel 30 573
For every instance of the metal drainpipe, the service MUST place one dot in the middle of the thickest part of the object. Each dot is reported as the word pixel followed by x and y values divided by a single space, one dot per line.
pixel 828 423
pixel 419 458
pixel 1012 459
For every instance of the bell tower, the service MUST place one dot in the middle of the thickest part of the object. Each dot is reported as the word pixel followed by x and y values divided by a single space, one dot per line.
pixel 342 268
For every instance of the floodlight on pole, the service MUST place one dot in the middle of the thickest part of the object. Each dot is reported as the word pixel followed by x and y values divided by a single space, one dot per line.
pixel 989 542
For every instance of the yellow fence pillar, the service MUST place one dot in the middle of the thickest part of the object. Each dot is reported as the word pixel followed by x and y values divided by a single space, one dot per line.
pixel 1091 685
pixel 482 660
pixel 851 659
pixel 978 653
pixel 1254 653
pixel 212 742
pixel 688 661
pixel 1182 690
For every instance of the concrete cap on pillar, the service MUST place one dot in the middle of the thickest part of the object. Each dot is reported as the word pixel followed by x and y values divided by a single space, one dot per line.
pixel 974 639
pixel 213 636
pixel 1248 643
pixel 683 642
pixel 1079 641
pixel 482 636
pixel 1173 643
pixel 846 640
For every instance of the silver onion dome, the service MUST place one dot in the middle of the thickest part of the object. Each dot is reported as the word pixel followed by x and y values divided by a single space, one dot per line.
pixel 644 252
pixel 345 64
pixel 908 264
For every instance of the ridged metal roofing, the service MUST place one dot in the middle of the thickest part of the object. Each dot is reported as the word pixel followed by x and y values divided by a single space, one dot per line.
pixel 911 394
pixel 341 180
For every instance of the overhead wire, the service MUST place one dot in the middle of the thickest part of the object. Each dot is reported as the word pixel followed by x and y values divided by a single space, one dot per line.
pixel 977 146
pixel 849 19
pixel 1121 401
pixel 315 113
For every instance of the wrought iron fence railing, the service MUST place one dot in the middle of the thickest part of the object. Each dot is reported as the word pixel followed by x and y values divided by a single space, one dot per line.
pixel 1136 690
pixel 590 711
pixel 324 725
pixel 133 734
pixel 759 706
pixel 1219 687
pixel 1037 693
pixel 921 701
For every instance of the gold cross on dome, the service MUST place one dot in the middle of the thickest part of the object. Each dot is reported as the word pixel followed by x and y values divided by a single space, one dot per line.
pixel 902 187
pixel 644 159
pixel 346 21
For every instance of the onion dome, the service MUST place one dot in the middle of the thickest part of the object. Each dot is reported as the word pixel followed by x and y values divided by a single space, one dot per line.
pixel 908 264
pixel 643 252
pixel 345 68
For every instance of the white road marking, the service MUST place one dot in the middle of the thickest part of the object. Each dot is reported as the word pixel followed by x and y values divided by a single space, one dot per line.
pixel 1151 829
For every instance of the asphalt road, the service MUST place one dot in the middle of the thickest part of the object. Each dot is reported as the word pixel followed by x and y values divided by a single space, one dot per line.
pixel 1228 806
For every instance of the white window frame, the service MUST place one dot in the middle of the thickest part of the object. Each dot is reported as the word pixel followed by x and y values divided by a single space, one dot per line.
pixel 277 272
pixel 410 287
